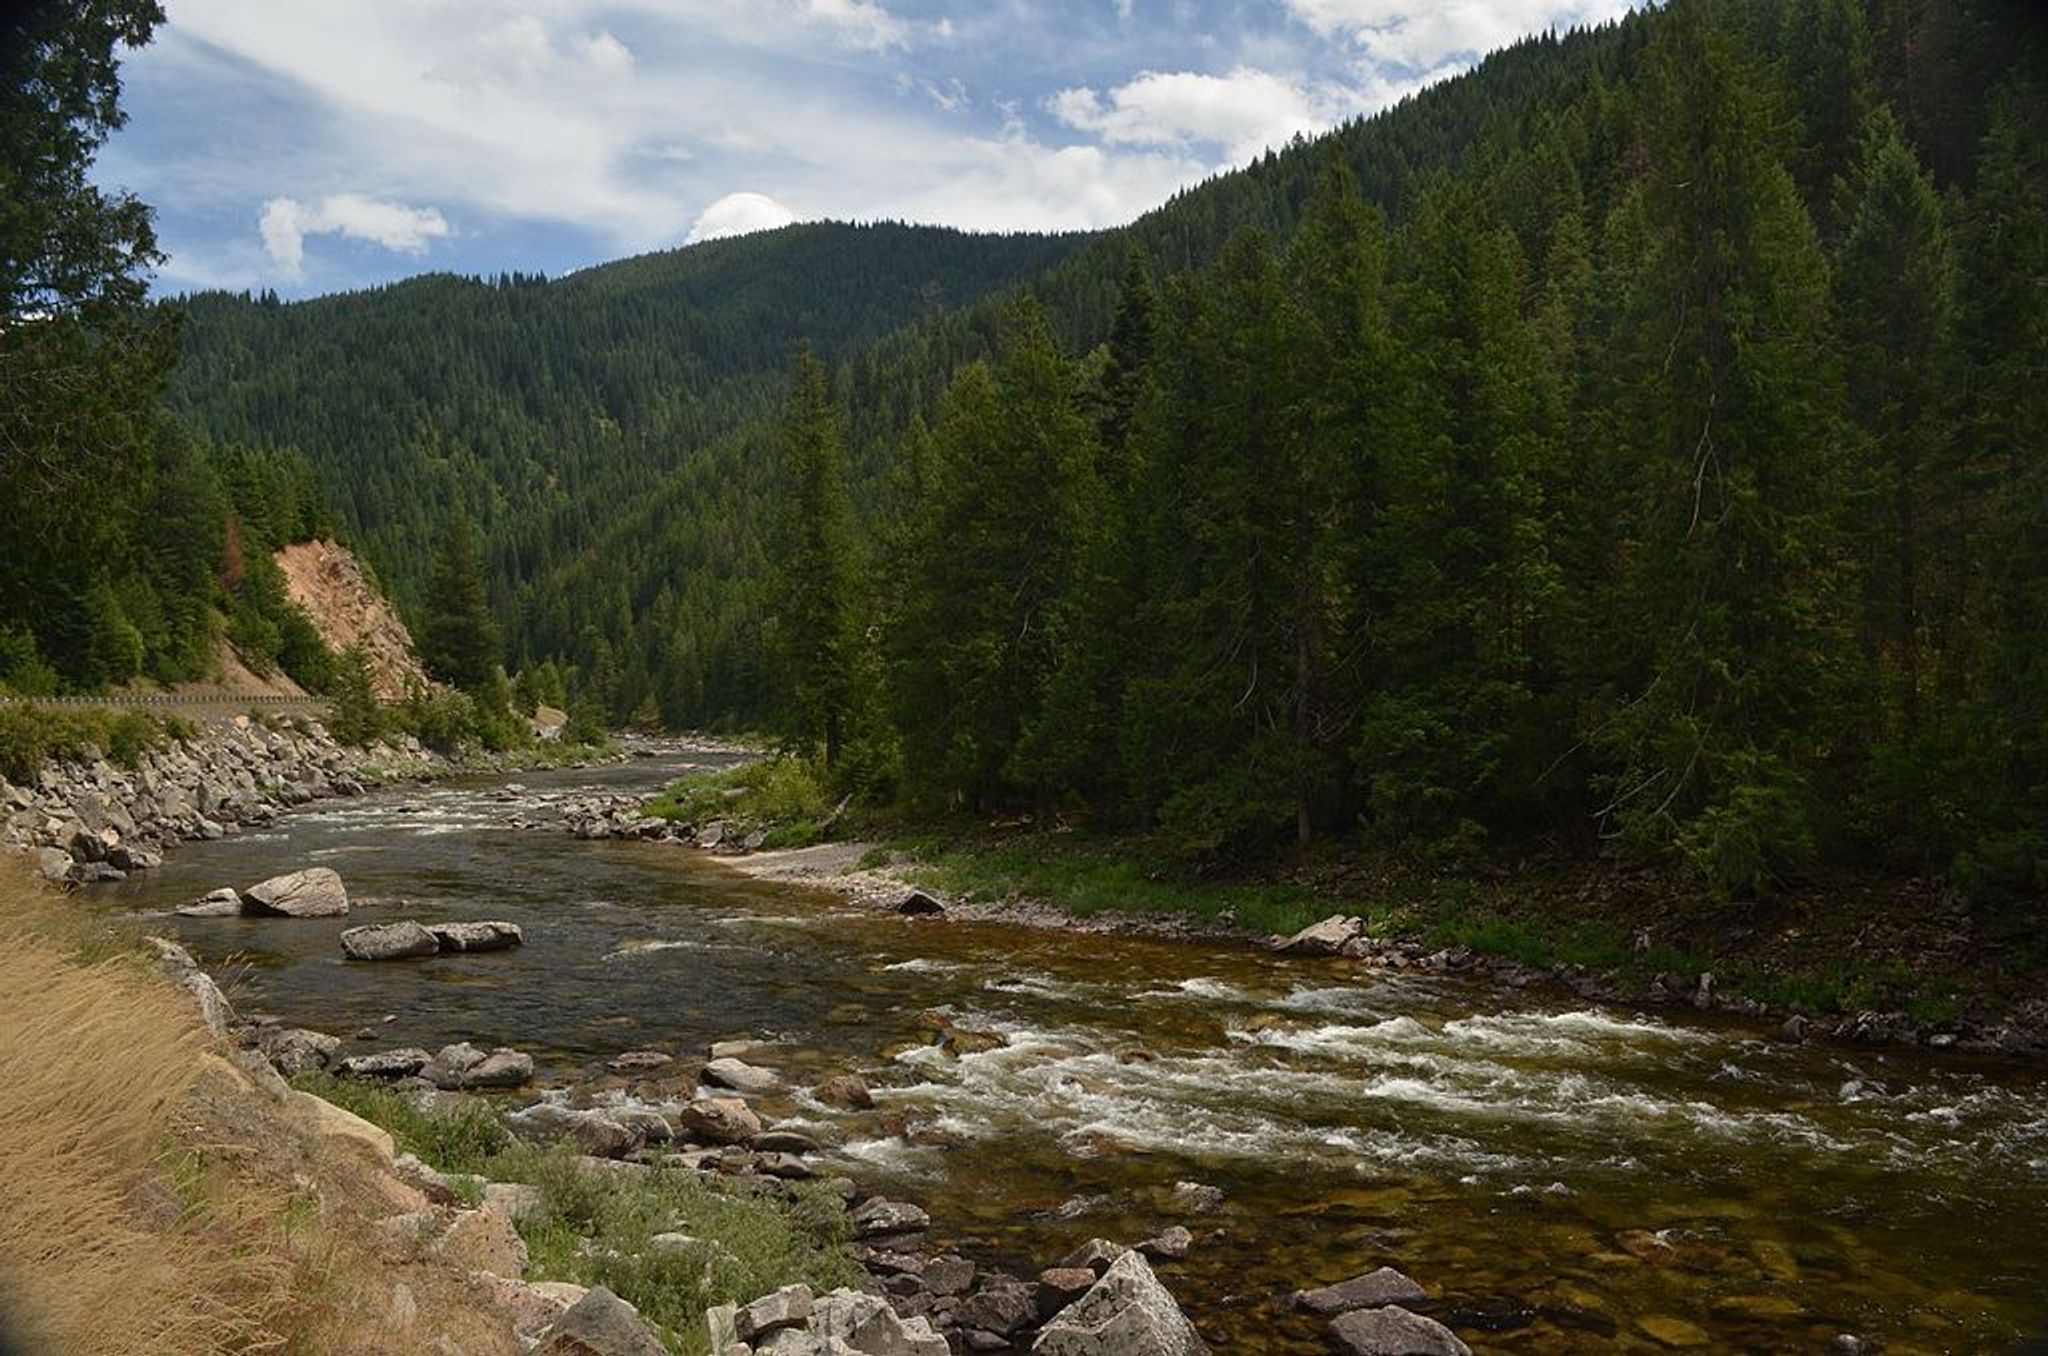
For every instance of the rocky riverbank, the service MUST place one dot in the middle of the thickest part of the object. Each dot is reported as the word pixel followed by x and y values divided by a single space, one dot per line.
pixel 732 1119
pixel 91 820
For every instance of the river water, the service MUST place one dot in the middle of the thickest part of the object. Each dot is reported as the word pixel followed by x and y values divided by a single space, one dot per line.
pixel 1567 1178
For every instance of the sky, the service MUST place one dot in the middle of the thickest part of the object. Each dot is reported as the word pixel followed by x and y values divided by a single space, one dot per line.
pixel 313 146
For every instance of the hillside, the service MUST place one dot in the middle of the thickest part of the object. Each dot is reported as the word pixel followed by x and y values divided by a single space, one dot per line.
pixel 326 581
pixel 539 406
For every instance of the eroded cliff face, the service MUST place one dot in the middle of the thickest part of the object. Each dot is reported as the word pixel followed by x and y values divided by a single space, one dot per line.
pixel 327 580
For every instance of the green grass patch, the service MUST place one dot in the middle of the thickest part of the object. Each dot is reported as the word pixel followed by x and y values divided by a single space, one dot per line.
pixel 459 1136
pixel 599 1225
pixel 598 1221
pixel 1086 880
pixel 784 792
pixel 31 736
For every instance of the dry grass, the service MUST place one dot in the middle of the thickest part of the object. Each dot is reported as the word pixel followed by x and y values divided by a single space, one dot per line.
pixel 108 1242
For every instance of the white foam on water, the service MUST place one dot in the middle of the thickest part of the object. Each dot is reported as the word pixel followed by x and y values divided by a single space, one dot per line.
pixel 1203 987
pixel 921 965
pixel 1338 1000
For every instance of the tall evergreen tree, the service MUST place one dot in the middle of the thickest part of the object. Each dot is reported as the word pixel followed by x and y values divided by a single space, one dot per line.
pixel 818 629
pixel 459 643
pixel 1732 401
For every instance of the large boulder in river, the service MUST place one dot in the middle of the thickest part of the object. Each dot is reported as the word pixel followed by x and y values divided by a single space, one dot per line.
pixel 1126 1313
pixel 717 1120
pixel 1393 1331
pixel 388 941
pixel 481 936
pixel 739 1076
pixel 316 892
pixel 225 902
pixel 1326 938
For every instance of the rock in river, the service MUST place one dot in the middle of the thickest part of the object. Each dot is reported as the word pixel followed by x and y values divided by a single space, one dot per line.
pixel 388 941
pixel 739 1076
pixel 491 935
pixel 225 902
pixel 717 1120
pixel 1370 1291
pixel 1326 938
pixel 1393 1331
pixel 1126 1313
pixel 313 893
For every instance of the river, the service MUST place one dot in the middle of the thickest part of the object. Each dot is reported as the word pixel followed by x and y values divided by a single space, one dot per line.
pixel 1556 1172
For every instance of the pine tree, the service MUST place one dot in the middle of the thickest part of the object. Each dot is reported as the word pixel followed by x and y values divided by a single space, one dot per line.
pixel 459 643
pixel 1895 296
pixel 353 713
pixel 817 623
pixel 1731 406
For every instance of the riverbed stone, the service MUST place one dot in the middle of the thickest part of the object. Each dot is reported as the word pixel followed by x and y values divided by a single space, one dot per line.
pixel 865 1324
pixel 717 1120
pixel 1125 1313
pixel 400 1063
pixel 225 902
pixel 879 1217
pixel 1393 1331
pixel 388 942
pixel 1170 1243
pixel 1670 1331
pixel 846 1092
pixel 450 1063
pixel 1326 938
pixel 295 1050
pixel 1060 1286
pixel 316 892
pixel 1371 1291
pixel 595 1132
pixel 600 1324
pixel 739 1076
pixel 501 1068
pixel 53 864
pixel 920 903
pixel 488 935
pixel 1096 1255
pixel 1001 1308
pixel 639 1061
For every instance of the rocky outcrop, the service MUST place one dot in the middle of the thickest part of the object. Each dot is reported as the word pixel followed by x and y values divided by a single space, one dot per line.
pixel 600 1324
pixel 179 967
pixel 1327 938
pixel 791 1322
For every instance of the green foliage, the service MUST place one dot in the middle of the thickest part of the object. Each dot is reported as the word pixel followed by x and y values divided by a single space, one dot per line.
pixel 596 1228
pixel 442 718
pixel 463 1135
pixel 31 736
pixel 354 715
pixel 770 791
pixel 459 643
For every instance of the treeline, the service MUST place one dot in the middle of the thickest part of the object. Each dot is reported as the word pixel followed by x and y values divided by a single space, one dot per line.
pixel 1671 476
pixel 127 544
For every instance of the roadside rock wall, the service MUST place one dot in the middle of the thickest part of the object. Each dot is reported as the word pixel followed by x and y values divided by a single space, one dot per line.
pixel 92 820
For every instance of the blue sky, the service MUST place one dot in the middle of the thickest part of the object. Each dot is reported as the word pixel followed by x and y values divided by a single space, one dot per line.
pixel 316 145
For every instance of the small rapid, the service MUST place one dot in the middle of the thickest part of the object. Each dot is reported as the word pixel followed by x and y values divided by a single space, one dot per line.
pixel 1559 1173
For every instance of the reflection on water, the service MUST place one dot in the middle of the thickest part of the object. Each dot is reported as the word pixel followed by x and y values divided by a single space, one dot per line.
pixel 1558 1173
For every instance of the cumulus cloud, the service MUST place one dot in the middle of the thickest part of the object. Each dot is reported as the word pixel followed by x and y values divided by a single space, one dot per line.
pixel 1244 112
pixel 739 214
pixel 1425 35
pixel 286 222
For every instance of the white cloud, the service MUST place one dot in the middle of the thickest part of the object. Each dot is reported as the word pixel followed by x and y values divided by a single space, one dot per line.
pixel 860 23
pixel 1244 112
pixel 739 214
pixel 286 222
pixel 1423 35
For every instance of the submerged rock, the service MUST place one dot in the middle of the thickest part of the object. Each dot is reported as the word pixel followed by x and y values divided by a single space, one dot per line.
pixel 388 941
pixel 739 1076
pixel 878 1217
pixel 225 902
pixel 316 892
pixel 846 1092
pixel 489 935
pixel 1371 1291
pixel 1393 1331
pixel 1126 1313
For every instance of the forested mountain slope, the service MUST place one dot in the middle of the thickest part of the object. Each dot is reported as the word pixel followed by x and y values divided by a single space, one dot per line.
pixel 1635 445
pixel 539 406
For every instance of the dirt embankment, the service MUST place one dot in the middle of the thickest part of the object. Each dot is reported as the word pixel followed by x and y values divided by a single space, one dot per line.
pixel 327 580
